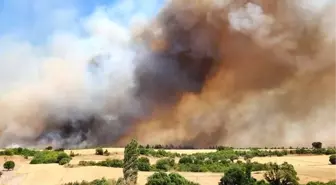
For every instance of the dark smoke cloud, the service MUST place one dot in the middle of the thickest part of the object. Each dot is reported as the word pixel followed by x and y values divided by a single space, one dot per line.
pixel 202 73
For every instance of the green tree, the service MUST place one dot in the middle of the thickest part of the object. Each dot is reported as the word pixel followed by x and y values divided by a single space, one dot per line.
pixel 332 159
pixel 9 165
pixel 237 176
pixel 283 174
pixel 130 169
pixel 317 145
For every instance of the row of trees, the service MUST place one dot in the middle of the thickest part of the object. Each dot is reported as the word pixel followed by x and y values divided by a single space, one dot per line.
pixel 216 147
pixel 240 153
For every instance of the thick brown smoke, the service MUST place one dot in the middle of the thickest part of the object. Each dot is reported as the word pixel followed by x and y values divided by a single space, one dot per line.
pixel 239 73
pixel 249 76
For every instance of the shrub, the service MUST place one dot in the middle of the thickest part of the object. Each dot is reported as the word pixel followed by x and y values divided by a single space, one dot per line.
pixel 161 178
pixel 8 152
pixel 87 163
pixel 165 164
pixel 99 151
pixel 106 153
pixel 72 154
pixel 48 156
pixel 64 161
pixel 102 181
pixel 61 156
pixel 186 160
pixel 143 164
pixel 49 148
pixel 332 159
pixel 115 163
pixel 9 165
pixel 59 149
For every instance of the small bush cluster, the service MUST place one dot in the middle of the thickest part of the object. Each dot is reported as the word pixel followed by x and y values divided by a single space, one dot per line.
pixel 157 153
pixel 18 151
pixel 102 181
pixel 115 163
pixel 144 164
pixel 161 178
pixel 322 183
pixel 49 156
pixel 100 151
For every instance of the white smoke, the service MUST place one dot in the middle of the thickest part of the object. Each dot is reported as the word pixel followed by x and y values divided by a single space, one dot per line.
pixel 63 70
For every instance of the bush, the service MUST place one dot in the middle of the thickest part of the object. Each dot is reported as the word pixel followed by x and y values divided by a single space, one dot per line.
pixel 186 160
pixel 49 148
pixel 144 164
pixel 114 163
pixel 161 178
pixel 332 159
pixel 8 152
pixel 9 165
pixel 106 153
pixel 64 161
pixel 102 181
pixel 48 156
pixel 61 156
pixel 72 154
pixel 99 151
pixel 165 164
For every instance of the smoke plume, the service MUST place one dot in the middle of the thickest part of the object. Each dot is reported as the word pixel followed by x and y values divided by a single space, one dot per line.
pixel 239 73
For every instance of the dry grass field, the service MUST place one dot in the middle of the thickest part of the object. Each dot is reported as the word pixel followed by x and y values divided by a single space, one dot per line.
pixel 309 168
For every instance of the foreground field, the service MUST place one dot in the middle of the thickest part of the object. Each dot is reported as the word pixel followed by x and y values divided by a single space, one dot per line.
pixel 309 168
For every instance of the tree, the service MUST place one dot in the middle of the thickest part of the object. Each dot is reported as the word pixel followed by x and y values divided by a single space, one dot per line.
pixel 317 145
pixel 237 176
pixel 9 165
pixel 283 174
pixel 332 159
pixel 130 169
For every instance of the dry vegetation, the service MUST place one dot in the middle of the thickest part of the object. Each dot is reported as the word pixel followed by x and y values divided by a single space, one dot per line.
pixel 308 167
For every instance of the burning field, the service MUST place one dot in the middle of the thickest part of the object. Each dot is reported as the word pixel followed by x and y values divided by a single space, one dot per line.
pixel 201 73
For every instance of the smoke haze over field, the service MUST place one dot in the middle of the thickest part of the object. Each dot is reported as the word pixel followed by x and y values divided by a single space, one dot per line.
pixel 243 73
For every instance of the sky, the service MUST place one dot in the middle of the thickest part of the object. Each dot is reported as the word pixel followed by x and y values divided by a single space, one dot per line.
pixel 36 19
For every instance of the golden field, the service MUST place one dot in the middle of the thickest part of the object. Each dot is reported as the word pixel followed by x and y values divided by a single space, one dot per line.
pixel 309 168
